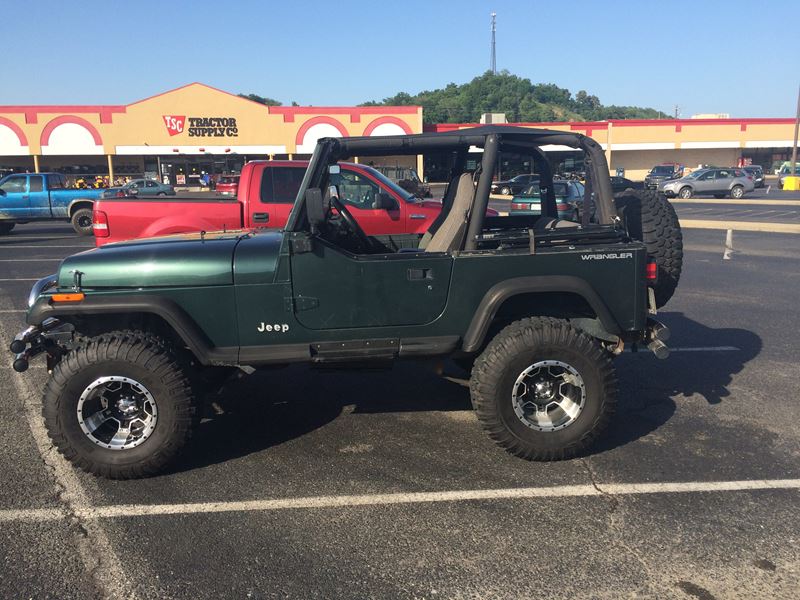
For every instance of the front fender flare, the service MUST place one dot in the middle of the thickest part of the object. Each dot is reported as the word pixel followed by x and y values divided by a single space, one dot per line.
pixel 183 325
pixel 499 293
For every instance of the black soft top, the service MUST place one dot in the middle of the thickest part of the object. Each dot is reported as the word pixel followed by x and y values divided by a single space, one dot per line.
pixel 512 138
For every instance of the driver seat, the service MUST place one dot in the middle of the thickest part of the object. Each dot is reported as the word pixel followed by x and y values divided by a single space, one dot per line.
pixel 448 236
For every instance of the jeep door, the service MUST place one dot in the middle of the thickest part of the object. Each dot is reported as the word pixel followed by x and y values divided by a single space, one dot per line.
pixel 334 289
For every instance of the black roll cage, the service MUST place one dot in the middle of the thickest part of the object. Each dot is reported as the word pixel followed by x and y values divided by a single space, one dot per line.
pixel 493 139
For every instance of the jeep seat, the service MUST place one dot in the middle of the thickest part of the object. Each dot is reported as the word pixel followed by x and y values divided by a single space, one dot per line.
pixel 448 236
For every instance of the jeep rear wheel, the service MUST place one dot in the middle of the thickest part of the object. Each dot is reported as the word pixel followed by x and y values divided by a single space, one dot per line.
pixel 651 218
pixel 543 390
pixel 119 405
pixel 82 221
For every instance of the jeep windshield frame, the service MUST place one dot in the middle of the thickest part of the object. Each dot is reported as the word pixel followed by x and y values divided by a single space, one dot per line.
pixel 492 139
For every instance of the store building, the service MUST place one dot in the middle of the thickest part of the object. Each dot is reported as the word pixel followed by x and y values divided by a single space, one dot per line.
pixel 180 134
pixel 634 146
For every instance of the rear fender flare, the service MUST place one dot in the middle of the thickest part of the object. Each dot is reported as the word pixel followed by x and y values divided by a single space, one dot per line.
pixel 499 293
pixel 78 203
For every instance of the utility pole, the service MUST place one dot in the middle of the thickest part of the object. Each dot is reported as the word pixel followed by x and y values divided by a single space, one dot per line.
pixel 493 55
pixel 677 111
pixel 792 181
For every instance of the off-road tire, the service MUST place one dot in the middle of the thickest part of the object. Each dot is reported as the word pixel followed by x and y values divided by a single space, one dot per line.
pixel 6 228
pixel 144 358
pixel 514 349
pixel 651 218
pixel 82 221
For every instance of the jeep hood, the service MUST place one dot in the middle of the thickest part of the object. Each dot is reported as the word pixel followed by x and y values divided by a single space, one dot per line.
pixel 171 261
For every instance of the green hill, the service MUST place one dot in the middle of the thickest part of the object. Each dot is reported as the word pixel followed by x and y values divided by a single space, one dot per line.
pixel 518 98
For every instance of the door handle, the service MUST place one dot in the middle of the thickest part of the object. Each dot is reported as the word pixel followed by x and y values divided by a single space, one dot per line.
pixel 415 216
pixel 420 274
pixel 261 217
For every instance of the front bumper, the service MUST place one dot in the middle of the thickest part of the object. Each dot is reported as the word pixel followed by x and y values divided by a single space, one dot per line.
pixel 40 339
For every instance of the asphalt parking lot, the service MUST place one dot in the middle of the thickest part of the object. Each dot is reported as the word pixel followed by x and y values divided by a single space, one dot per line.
pixel 312 484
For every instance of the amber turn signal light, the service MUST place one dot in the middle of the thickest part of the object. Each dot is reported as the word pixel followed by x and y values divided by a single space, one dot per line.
pixel 73 297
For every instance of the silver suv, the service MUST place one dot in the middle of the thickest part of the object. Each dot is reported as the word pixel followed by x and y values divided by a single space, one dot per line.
pixel 716 182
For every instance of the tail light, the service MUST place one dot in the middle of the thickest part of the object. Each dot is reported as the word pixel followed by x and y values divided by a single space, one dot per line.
pixel 520 206
pixel 562 206
pixel 120 194
pixel 100 223
pixel 651 272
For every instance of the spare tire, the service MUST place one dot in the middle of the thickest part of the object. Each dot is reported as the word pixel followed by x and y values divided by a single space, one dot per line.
pixel 651 218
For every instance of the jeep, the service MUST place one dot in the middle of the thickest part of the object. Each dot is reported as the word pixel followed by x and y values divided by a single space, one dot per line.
pixel 535 307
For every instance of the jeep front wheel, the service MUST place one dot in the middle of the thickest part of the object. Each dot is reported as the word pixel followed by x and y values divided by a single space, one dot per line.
pixel 543 390
pixel 119 405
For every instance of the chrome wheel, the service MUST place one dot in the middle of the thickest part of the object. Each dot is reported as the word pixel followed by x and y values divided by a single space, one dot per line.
pixel 548 396
pixel 117 413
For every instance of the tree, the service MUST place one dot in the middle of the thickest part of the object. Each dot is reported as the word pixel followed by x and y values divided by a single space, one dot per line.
pixel 261 99
pixel 517 97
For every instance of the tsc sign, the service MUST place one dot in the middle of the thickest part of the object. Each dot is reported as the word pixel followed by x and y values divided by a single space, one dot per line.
pixel 174 124
pixel 202 126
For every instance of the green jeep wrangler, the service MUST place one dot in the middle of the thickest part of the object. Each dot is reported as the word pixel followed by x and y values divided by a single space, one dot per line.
pixel 535 307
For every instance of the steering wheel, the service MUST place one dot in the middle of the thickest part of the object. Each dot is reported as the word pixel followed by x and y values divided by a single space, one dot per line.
pixel 352 224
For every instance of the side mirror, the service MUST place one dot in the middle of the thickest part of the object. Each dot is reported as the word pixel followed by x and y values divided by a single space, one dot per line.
pixel 384 201
pixel 315 208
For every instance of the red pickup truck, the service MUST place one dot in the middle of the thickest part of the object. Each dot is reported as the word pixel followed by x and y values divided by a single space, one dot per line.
pixel 266 193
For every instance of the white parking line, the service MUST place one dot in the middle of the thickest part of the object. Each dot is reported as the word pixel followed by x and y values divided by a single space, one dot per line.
pixel 14 310
pixel 321 502
pixel 706 349
pixel 93 545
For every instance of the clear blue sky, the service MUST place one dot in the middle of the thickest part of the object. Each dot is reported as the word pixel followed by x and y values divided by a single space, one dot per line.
pixel 704 55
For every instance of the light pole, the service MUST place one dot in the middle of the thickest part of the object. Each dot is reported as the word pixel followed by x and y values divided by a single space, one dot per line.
pixel 792 181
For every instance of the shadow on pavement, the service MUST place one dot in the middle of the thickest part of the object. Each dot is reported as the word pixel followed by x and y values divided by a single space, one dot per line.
pixel 271 407
pixel 649 387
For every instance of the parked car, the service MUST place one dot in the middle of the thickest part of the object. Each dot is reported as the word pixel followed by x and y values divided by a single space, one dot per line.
pixel 514 185
pixel 227 185
pixel 715 182
pixel 569 194
pixel 784 173
pixel 538 307
pixel 407 179
pixel 620 184
pixel 660 174
pixel 140 188
pixel 265 198
pixel 26 197
pixel 757 172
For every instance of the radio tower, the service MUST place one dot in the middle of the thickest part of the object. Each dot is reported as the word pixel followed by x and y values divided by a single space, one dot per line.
pixel 493 56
